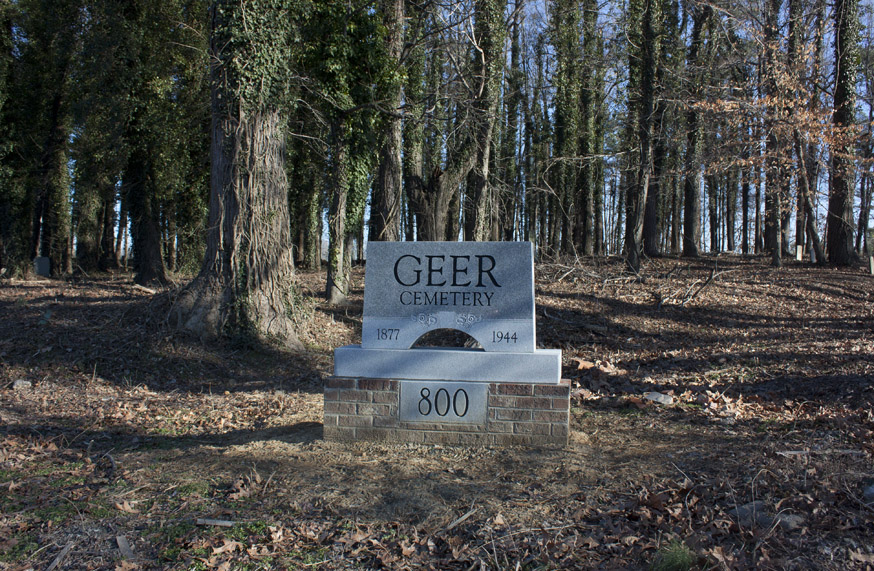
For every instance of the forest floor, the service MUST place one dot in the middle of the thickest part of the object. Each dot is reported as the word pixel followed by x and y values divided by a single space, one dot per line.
pixel 124 445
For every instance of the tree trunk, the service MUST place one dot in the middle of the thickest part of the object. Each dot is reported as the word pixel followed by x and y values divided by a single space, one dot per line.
pixel 692 182
pixel 139 186
pixel 337 288
pixel 805 193
pixel 108 259
pixel 839 237
pixel 386 201
pixel 245 284
pixel 489 33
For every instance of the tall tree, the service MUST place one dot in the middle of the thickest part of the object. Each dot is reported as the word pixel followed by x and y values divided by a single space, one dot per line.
pixel 696 63
pixel 245 283
pixel 50 35
pixel 385 213
pixel 839 236
pixel 644 30
pixel 488 50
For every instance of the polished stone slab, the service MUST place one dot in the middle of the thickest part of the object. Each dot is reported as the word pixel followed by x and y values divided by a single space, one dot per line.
pixel 444 402
pixel 484 289
pixel 448 364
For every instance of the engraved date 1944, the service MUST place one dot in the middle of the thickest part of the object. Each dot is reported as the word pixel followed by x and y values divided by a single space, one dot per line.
pixel 504 337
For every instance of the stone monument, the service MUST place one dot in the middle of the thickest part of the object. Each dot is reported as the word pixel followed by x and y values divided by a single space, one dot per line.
pixel 507 392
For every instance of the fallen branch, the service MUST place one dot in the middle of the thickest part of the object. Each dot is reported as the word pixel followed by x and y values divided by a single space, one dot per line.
pixel 57 560
pixel 145 289
pixel 460 520
pixel 124 547
pixel 215 522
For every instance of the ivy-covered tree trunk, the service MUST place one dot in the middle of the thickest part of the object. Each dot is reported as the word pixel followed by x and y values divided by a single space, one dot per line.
pixel 839 237
pixel 692 181
pixel 337 286
pixel 385 210
pixel 489 32
pixel 589 96
pixel 246 282
pixel 139 186
pixel 107 259
pixel 642 67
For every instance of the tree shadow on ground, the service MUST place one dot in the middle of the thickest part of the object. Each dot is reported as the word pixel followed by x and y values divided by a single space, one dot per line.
pixel 114 332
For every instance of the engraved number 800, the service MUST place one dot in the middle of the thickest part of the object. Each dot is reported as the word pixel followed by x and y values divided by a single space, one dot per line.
pixel 459 402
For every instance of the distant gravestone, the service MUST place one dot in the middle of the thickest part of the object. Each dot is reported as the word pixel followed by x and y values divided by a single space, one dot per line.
pixel 871 265
pixel 799 253
pixel 42 266
pixel 507 392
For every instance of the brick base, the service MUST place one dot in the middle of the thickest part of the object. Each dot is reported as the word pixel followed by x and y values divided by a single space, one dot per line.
pixel 519 414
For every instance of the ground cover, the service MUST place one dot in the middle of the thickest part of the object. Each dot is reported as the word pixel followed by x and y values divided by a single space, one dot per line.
pixel 124 445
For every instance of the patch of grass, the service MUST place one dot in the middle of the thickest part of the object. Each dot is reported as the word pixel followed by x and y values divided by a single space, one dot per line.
pixel 67 481
pixel 675 556
pixel 200 489
pixel 171 536
pixel 309 557
pixel 7 475
pixel 23 547
pixel 243 531
pixel 57 513
pixel 100 510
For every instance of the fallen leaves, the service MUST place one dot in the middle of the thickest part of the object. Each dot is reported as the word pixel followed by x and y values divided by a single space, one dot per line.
pixel 770 383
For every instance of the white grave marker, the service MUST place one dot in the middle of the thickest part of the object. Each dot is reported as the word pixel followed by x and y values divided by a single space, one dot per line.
pixel 484 289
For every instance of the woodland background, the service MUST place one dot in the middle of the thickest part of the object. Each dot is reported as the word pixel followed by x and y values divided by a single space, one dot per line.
pixel 244 141
pixel 639 128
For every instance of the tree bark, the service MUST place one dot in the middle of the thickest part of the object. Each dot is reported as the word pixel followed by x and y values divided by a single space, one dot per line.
pixel 839 237
pixel 386 201
pixel 138 184
pixel 245 285
pixel 337 287
pixel 692 182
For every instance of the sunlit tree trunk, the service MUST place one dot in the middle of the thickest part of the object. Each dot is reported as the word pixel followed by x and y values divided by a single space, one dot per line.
pixel 245 283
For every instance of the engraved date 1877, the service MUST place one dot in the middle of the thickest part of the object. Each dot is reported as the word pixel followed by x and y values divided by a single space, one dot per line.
pixel 387 334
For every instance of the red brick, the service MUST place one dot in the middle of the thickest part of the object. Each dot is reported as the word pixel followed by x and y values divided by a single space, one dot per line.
pixel 508 402
pixel 512 414
pixel 498 426
pixel 374 384
pixel 332 394
pixel 355 396
pixel 338 433
pixel 330 420
pixel 354 421
pixel 385 397
pixel 340 407
pixel 550 416
pixel 552 390
pixel 374 409
pixel 447 427
pixel 530 428
pixel 385 421
pixel 463 438
pixel 339 383
pixel 561 404
pixel 534 402
pixel 560 430
pixel 512 389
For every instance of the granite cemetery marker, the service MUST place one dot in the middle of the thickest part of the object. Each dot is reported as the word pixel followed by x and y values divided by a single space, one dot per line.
pixel 507 392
